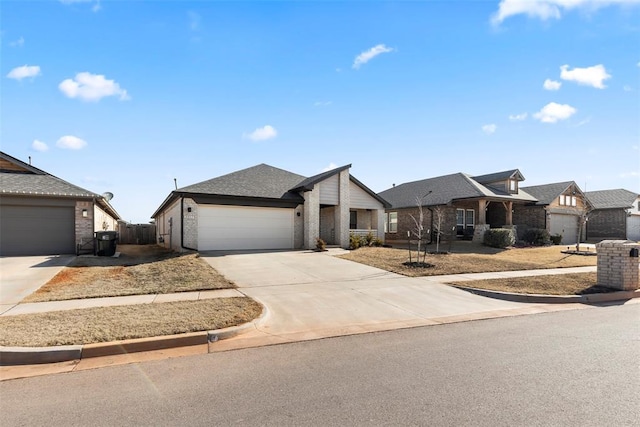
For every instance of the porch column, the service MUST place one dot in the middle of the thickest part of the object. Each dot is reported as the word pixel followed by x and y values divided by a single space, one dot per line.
pixel 342 211
pixel 379 220
pixel 482 212
pixel 311 217
pixel 509 217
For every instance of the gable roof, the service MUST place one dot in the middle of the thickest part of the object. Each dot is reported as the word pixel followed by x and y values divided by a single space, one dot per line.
pixel 443 190
pixel 546 193
pixel 18 178
pixel 611 199
pixel 499 176
pixel 261 181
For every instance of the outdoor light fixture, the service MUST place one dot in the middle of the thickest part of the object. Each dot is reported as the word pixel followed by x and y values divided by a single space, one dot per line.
pixel 85 213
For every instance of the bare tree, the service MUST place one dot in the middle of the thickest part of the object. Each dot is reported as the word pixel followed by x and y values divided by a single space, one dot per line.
pixel 438 218
pixel 418 230
pixel 583 213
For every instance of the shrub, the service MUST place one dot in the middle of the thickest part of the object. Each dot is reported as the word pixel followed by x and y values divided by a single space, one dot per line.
pixel 320 244
pixel 354 241
pixel 556 239
pixel 499 237
pixel 536 237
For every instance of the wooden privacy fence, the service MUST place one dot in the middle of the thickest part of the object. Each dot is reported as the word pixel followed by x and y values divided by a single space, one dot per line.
pixel 136 234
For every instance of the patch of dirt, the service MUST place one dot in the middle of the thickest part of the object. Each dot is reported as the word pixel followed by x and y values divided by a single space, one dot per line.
pixel 139 270
pixel 482 260
pixel 103 324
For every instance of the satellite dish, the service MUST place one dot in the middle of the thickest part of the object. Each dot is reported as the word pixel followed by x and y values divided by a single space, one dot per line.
pixel 107 196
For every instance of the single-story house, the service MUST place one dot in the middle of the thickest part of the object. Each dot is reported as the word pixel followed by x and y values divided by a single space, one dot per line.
pixel 463 205
pixel 615 215
pixel 263 207
pixel 560 208
pixel 41 214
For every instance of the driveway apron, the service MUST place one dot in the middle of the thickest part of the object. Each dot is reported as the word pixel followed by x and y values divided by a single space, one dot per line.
pixel 21 276
pixel 312 295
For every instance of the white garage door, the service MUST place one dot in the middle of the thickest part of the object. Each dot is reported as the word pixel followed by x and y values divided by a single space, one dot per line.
pixel 239 227
pixel 565 225
pixel 633 228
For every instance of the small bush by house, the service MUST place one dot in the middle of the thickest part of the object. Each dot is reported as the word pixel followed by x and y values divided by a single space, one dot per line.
pixel 536 237
pixel 499 237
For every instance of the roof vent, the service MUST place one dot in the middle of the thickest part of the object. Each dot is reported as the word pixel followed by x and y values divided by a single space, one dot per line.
pixel 107 196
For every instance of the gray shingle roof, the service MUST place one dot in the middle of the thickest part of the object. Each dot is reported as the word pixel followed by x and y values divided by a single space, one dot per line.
pixel 40 185
pixel 445 189
pixel 262 181
pixel 308 183
pixel 498 176
pixel 610 199
pixel 546 193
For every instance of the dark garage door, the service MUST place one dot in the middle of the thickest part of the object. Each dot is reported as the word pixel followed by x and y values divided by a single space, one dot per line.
pixel 36 230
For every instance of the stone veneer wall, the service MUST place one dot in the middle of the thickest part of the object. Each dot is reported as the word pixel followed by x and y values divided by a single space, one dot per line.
pixel 616 268
pixel 190 231
pixel 84 226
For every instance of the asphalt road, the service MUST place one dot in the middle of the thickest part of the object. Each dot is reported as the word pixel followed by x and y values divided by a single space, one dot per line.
pixel 571 368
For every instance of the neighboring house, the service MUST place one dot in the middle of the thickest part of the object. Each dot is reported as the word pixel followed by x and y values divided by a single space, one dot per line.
pixel 467 206
pixel 263 207
pixel 41 214
pixel 615 215
pixel 560 209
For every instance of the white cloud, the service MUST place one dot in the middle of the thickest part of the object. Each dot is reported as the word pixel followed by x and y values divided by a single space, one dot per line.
pixel 96 3
pixel 552 112
pixel 25 71
pixel 39 145
pixel 551 84
pixel 92 87
pixel 330 167
pixel 589 76
pixel 518 117
pixel 549 9
pixel 17 43
pixel 489 129
pixel 194 21
pixel 322 103
pixel 368 55
pixel 262 134
pixel 70 142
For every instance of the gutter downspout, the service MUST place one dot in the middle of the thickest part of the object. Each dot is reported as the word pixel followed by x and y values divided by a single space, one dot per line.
pixel 431 227
pixel 182 226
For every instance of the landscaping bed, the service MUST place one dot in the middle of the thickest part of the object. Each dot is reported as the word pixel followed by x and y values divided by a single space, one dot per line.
pixel 470 259
pixel 104 324
pixel 138 270
pixel 558 284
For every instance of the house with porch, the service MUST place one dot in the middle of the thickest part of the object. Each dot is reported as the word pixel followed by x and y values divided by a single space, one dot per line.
pixel 459 205
pixel 264 207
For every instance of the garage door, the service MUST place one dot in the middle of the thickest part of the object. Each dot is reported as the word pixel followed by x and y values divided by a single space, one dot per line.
pixel 565 225
pixel 633 228
pixel 236 227
pixel 36 230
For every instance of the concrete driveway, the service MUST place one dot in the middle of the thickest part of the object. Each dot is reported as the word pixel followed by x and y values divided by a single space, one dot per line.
pixel 313 295
pixel 21 276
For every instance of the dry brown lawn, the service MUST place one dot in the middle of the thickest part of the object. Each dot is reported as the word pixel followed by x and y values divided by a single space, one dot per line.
pixel 471 259
pixel 139 270
pixel 105 324
pixel 559 284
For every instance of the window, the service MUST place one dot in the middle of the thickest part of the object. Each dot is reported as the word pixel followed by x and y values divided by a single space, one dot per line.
pixel 353 220
pixel 470 219
pixel 459 221
pixel 574 201
pixel 393 222
pixel 513 185
pixel 562 200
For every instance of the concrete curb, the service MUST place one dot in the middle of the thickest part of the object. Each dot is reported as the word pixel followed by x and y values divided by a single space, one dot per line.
pixel 11 356
pixel 553 299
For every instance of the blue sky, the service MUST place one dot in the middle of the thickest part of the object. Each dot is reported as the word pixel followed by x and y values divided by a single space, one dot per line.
pixel 125 96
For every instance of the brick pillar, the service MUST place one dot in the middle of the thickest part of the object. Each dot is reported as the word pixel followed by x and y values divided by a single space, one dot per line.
pixel 312 217
pixel 617 268
pixel 342 211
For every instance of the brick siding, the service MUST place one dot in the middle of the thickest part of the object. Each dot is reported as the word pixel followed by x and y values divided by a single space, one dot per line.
pixel 609 223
